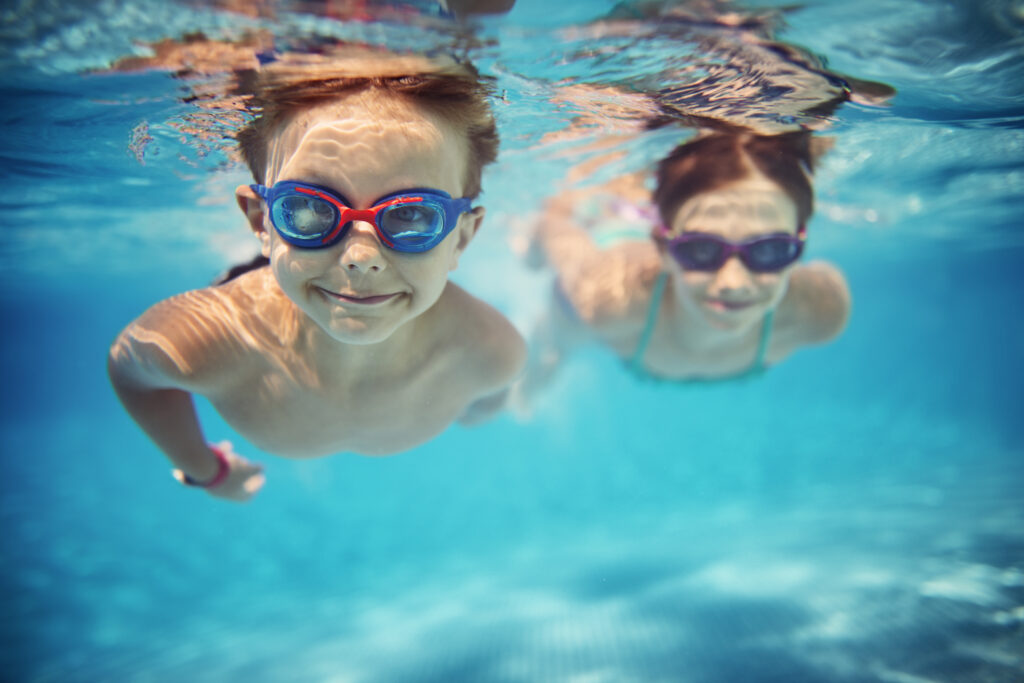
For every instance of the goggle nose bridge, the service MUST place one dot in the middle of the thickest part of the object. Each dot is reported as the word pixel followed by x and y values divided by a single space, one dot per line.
pixel 348 215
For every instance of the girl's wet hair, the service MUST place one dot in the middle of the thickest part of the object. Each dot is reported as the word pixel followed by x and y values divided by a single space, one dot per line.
pixel 453 92
pixel 709 163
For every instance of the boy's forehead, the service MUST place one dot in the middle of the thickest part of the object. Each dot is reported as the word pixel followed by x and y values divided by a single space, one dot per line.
pixel 377 122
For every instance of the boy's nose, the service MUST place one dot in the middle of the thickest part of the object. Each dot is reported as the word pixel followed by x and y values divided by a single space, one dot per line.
pixel 362 250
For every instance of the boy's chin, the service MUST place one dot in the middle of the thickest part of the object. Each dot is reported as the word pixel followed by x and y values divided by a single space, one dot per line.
pixel 359 332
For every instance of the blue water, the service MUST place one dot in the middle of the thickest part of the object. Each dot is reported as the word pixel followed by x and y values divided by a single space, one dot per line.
pixel 856 515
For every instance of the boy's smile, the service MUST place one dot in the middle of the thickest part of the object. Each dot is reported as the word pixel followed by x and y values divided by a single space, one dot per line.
pixel 364 147
pixel 360 300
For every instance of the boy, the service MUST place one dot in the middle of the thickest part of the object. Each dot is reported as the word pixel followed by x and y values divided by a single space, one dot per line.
pixel 352 339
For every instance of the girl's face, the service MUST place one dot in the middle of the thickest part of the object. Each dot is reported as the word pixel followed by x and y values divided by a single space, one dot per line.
pixel 732 297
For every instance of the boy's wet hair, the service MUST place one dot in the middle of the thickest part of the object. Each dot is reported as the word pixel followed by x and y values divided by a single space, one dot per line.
pixel 453 92
pixel 709 163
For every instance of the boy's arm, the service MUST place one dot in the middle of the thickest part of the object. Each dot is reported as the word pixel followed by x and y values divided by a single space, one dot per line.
pixel 500 360
pixel 154 374
pixel 483 409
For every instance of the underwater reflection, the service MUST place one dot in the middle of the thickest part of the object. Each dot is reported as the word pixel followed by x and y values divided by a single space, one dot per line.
pixel 368 10
pixel 699 280
pixel 724 67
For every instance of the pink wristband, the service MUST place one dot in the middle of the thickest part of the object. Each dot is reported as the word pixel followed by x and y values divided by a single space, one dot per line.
pixel 223 468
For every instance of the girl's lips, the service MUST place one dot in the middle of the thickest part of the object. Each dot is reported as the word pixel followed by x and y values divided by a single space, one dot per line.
pixel 368 300
pixel 721 305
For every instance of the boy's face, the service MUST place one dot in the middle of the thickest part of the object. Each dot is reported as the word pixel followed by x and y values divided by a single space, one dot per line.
pixel 364 147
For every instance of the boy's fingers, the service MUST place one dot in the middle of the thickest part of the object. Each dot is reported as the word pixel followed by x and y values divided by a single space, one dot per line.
pixel 253 484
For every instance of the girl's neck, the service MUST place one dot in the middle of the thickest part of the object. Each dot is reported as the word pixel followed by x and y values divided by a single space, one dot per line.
pixel 690 332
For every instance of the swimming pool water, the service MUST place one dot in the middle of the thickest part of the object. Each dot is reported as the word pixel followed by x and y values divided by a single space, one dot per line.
pixel 855 515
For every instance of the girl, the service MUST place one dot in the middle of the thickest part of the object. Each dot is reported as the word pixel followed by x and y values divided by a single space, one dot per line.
pixel 716 292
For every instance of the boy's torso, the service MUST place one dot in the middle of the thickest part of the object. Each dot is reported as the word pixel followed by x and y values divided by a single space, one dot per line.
pixel 282 387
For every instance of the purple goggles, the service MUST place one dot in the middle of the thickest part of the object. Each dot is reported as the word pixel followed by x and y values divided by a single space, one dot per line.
pixel 703 251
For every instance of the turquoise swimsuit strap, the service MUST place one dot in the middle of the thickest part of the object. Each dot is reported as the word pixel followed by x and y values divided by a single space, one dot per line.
pixel 637 362
pixel 766 337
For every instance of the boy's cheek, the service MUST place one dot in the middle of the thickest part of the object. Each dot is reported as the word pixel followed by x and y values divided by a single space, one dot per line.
pixel 296 265
pixel 453 259
pixel 283 255
pixel 456 253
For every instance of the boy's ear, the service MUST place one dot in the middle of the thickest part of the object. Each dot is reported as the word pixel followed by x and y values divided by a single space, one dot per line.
pixel 252 206
pixel 469 223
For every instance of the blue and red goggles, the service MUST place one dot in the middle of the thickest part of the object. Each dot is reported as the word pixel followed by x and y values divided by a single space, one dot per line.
pixel 313 217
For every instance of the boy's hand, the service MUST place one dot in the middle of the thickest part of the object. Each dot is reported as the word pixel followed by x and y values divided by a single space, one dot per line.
pixel 244 478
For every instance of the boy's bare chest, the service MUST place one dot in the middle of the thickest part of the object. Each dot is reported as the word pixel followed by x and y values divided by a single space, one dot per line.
pixel 302 413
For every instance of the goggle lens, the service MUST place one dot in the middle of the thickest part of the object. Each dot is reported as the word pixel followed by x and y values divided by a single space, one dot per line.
pixel 771 253
pixel 412 224
pixel 700 254
pixel 304 217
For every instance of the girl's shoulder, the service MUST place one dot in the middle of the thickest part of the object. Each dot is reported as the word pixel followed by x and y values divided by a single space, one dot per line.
pixel 817 303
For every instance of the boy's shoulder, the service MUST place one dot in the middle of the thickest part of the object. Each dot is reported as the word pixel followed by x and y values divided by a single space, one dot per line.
pixel 487 347
pixel 221 309
pixel 202 335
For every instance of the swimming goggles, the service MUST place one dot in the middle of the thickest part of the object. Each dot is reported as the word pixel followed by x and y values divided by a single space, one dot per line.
pixel 707 252
pixel 313 217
